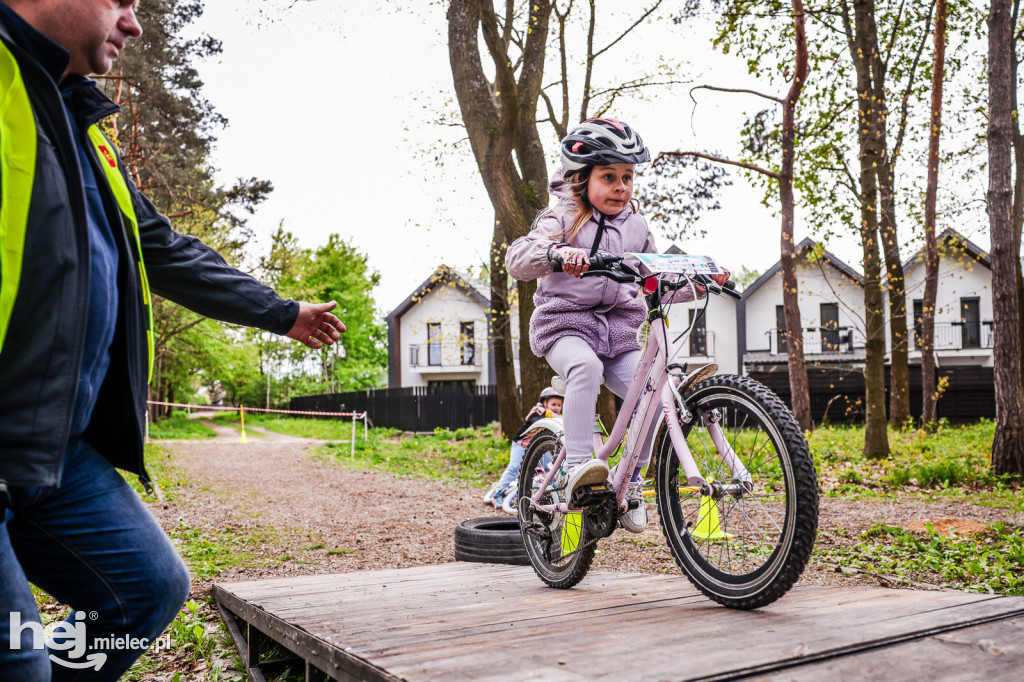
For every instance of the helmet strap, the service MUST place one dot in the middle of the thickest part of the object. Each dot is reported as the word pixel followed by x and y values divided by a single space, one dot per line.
pixel 600 233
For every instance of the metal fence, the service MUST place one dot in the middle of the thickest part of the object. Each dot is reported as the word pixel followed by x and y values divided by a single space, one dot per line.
pixel 413 409
pixel 838 395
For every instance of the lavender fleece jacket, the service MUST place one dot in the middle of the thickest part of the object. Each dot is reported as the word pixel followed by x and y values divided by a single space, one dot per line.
pixel 603 313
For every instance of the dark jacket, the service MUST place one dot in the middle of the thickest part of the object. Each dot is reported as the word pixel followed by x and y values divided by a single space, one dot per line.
pixel 40 358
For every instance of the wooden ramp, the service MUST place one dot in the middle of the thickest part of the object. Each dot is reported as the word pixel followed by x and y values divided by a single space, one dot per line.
pixel 465 621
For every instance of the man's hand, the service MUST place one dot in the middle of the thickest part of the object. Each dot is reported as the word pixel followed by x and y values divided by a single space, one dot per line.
pixel 315 325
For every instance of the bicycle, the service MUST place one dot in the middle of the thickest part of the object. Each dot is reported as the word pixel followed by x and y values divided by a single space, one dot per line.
pixel 735 483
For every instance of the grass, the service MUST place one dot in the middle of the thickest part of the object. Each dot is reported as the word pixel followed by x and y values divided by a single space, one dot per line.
pixel 952 461
pixel 992 562
pixel 179 426
pixel 466 457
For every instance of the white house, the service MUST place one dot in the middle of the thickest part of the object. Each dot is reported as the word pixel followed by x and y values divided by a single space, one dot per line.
pixel 439 334
pixel 963 306
pixel 714 336
pixel 831 300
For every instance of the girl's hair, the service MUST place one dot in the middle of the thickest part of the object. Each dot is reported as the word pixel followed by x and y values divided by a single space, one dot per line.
pixel 577 184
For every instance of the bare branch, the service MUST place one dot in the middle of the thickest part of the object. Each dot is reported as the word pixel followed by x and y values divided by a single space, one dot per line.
pixel 628 30
pixel 738 90
pixel 589 63
pixel 853 187
pixel 905 108
pixel 718 159
pixel 895 32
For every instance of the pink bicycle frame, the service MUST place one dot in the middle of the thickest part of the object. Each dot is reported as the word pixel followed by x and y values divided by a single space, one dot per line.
pixel 650 380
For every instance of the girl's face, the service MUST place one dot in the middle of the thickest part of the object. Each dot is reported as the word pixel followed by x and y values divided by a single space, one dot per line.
pixel 610 187
pixel 554 404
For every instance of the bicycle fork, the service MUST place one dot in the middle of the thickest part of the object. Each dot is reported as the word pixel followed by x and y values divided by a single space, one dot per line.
pixel 712 422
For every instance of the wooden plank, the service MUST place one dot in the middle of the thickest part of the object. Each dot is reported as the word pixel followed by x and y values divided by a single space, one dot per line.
pixel 472 621
pixel 993 651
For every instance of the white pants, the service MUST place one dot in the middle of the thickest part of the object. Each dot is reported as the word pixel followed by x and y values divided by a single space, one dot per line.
pixel 584 371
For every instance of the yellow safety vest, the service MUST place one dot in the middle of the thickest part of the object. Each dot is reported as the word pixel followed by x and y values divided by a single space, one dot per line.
pixel 17 174
pixel 110 162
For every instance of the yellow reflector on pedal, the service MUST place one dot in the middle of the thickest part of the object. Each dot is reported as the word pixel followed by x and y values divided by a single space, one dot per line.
pixel 571 526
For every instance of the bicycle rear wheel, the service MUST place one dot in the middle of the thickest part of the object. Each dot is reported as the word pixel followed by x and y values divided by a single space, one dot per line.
pixel 559 547
pixel 743 546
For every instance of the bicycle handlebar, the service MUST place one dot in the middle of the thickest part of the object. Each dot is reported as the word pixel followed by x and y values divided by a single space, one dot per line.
pixel 603 264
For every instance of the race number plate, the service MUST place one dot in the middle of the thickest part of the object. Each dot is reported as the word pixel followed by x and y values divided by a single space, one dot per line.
pixel 683 264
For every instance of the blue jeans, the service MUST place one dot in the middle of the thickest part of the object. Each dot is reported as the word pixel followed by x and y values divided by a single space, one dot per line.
pixel 515 461
pixel 92 544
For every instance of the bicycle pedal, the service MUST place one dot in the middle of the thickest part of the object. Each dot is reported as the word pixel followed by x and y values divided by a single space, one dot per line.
pixel 591 495
pixel 633 504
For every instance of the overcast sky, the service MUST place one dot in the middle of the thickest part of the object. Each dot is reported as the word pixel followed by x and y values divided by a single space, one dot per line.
pixel 338 104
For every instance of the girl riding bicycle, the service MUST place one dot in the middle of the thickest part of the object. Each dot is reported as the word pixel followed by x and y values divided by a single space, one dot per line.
pixel 587 328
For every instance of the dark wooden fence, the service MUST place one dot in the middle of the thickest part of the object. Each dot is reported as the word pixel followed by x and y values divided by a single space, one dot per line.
pixel 969 395
pixel 413 409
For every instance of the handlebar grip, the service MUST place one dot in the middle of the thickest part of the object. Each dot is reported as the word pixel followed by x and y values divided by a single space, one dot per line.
pixel 555 260
pixel 731 291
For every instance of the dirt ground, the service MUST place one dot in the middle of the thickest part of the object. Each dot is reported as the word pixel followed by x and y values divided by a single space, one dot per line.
pixel 316 516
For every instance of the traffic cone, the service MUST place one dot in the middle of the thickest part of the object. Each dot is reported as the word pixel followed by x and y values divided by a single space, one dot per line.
pixel 571 527
pixel 708 525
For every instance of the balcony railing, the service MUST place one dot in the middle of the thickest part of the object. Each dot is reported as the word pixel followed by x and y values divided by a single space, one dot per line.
pixel 700 344
pixel 444 355
pixel 957 336
pixel 817 341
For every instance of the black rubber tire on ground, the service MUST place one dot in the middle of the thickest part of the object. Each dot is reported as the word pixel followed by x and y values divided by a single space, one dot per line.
pixel 555 571
pixel 492 540
pixel 765 537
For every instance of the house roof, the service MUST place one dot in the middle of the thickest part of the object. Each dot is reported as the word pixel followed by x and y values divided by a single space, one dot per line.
pixel 443 275
pixel 807 244
pixel 951 235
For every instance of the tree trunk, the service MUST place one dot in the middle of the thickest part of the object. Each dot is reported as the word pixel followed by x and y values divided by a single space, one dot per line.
pixel 1018 178
pixel 1008 444
pixel 929 394
pixel 899 361
pixel 510 411
pixel 876 436
pixel 790 295
pixel 501 125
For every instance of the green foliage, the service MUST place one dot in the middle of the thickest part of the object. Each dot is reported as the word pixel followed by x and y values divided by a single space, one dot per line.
pixel 178 425
pixel 948 460
pixel 467 456
pixel 210 553
pixel 991 562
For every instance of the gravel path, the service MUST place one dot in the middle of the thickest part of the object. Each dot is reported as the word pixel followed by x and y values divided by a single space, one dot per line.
pixel 318 516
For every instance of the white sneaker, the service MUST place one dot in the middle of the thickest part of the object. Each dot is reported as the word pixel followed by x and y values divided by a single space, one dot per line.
pixel 635 520
pixel 489 497
pixel 591 472
pixel 510 503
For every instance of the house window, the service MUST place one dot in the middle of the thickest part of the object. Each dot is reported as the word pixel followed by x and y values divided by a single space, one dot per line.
pixel 970 320
pixel 918 323
pixel 698 333
pixel 433 343
pixel 781 342
pixel 466 343
pixel 829 327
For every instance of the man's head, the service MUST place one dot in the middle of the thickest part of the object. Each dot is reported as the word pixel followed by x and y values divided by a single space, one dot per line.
pixel 93 31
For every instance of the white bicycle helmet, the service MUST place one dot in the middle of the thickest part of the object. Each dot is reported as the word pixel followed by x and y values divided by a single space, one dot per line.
pixel 601 141
pixel 550 393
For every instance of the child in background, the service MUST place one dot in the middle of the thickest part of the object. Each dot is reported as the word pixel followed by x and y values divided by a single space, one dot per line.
pixel 586 328
pixel 550 405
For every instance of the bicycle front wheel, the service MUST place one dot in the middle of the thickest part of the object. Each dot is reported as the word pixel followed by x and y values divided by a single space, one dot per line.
pixel 745 544
pixel 559 547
